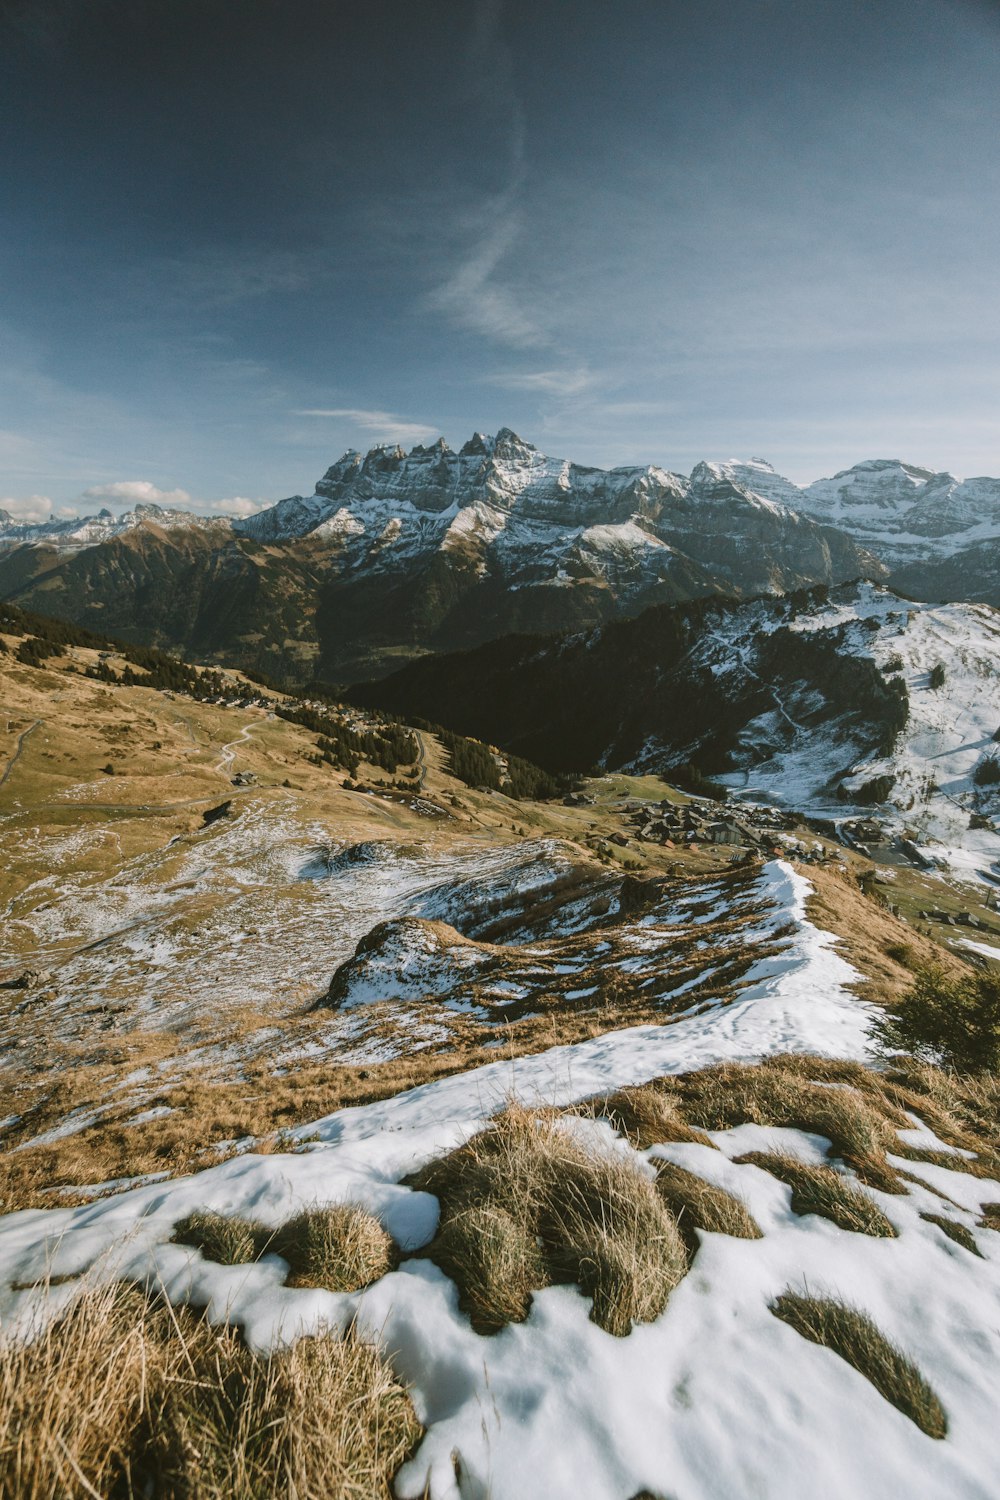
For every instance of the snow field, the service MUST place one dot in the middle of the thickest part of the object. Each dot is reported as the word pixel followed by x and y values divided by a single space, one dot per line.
pixel 715 1399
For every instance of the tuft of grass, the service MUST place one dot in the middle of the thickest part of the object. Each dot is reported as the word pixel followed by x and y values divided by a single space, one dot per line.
pixel 228 1239
pixel 71 1400
pixel 851 1333
pixel 324 1418
pixel 955 1231
pixel 819 1189
pixel 495 1260
pixel 697 1204
pixel 525 1203
pixel 646 1116
pixel 991 1217
pixel 774 1092
pixel 123 1396
pixel 341 1248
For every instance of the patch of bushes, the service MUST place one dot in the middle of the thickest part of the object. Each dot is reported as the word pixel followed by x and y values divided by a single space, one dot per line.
pixel 851 1333
pixel 987 773
pixel 33 651
pixel 937 676
pixel 952 1019
pixel 871 792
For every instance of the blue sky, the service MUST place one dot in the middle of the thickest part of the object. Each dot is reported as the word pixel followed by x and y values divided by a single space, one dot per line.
pixel 240 238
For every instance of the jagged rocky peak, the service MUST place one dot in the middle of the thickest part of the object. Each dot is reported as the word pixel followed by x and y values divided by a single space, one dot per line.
pixel 507 446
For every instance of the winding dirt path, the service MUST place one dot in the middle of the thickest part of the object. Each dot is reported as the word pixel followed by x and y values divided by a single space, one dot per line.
pixel 20 746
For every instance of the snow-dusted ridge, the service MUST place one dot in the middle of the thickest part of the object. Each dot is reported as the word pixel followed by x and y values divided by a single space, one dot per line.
pixel 494 484
pixel 89 531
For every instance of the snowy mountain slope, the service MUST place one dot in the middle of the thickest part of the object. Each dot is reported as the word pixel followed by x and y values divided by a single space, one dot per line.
pixel 715 1397
pixel 928 771
pixel 907 509
pixel 501 516
pixel 822 702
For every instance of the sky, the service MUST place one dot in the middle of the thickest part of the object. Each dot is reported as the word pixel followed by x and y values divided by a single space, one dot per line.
pixel 242 236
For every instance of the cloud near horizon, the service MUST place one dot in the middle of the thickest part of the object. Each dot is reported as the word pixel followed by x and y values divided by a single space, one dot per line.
pixel 29 510
pixel 135 492
pixel 239 505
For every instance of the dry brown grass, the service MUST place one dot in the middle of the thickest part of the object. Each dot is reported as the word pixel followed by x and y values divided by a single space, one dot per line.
pixel 121 1397
pixel 775 1093
pixel 859 1110
pixel 526 1203
pixel 990 1217
pixel 646 1116
pixel 880 946
pixel 819 1189
pixel 226 1238
pixel 955 1231
pixel 697 1204
pixel 341 1248
pixel 852 1334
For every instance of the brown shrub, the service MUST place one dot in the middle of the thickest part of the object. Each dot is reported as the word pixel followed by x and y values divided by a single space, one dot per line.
pixel 555 1209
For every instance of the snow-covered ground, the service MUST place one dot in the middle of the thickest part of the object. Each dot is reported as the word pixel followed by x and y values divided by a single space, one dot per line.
pixel 949 731
pixel 717 1398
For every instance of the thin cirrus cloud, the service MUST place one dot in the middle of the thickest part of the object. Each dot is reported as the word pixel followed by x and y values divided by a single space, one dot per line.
pixel 472 296
pixel 479 291
pixel 563 383
pixel 383 425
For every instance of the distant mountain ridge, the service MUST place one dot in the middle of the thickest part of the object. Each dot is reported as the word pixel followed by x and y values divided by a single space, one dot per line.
pixel 399 553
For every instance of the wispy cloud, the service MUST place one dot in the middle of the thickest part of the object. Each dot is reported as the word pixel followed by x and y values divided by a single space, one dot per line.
pixel 134 492
pixel 474 294
pixel 562 383
pixel 473 297
pixel 383 425
pixel 218 278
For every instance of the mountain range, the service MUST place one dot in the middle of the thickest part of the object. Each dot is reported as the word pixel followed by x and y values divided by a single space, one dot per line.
pixel 400 553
